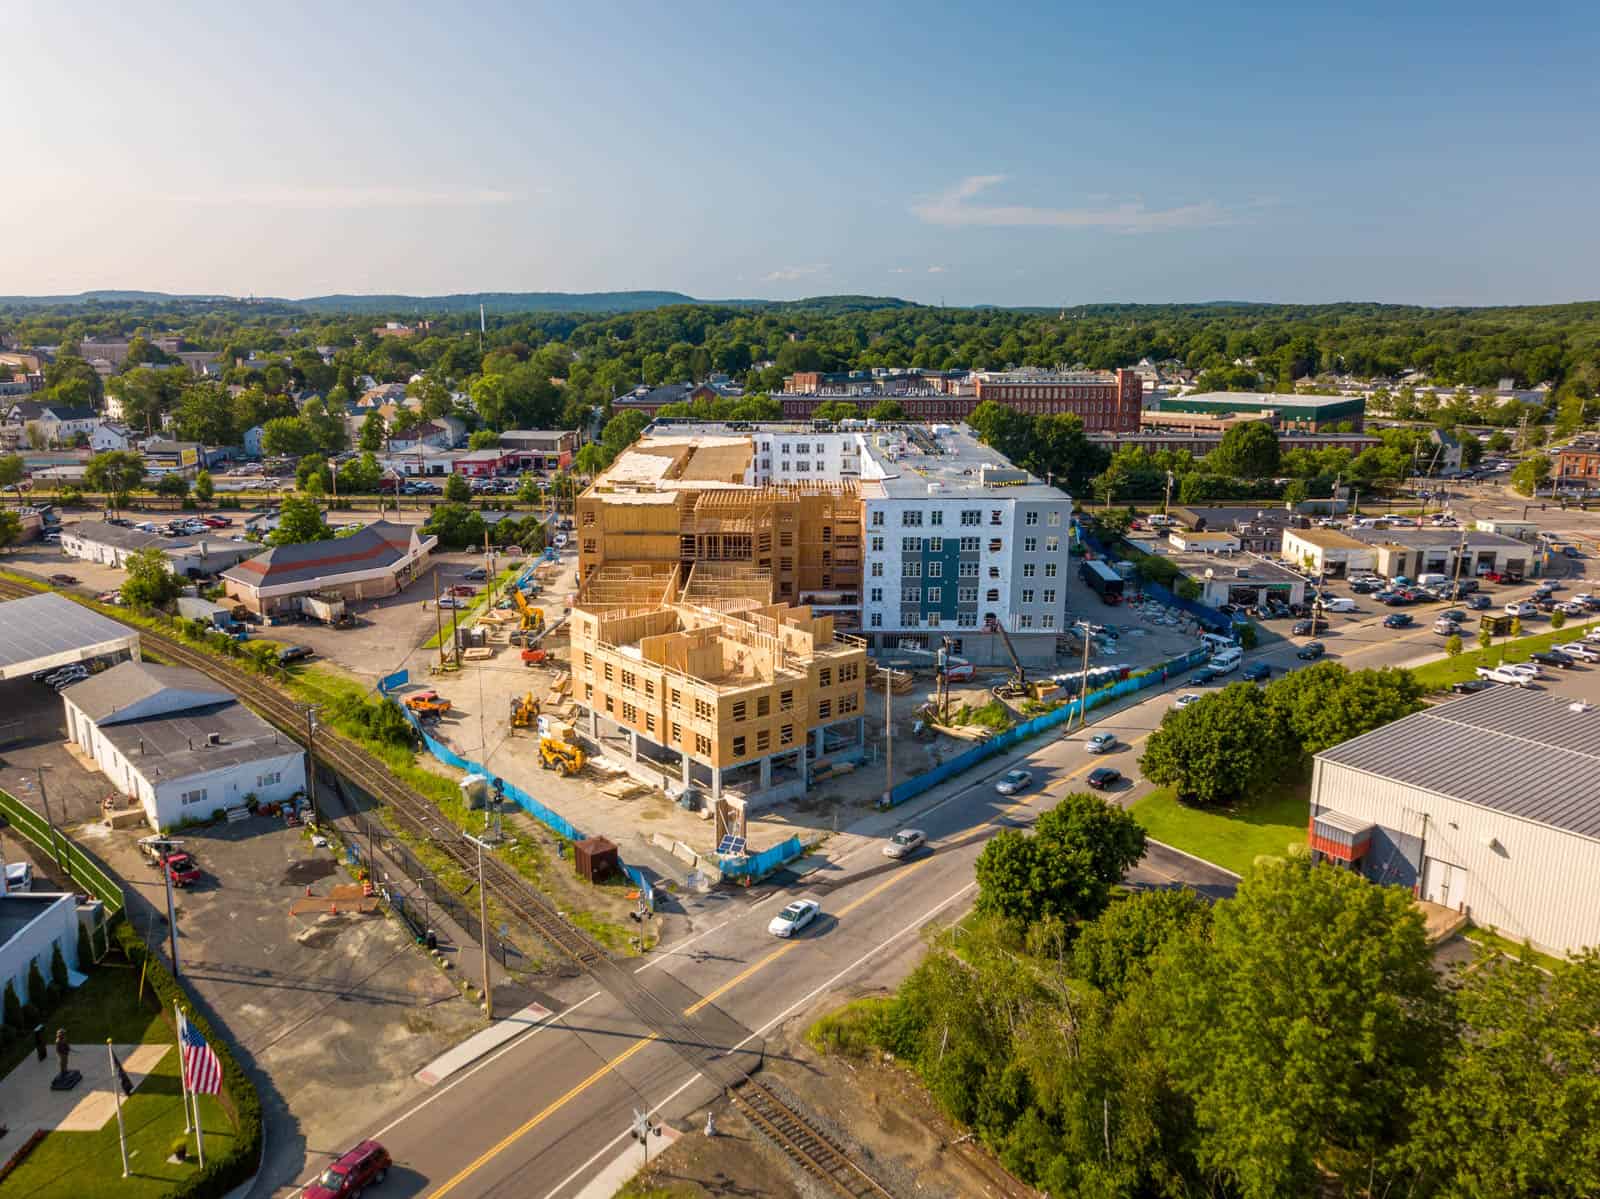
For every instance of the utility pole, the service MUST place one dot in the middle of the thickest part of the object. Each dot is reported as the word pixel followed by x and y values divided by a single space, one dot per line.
pixel 438 618
pixel 172 911
pixel 55 836
pixel 1083 683
pixel 483 936
pixel 1167 498
pixel 311 752
pixel 888 735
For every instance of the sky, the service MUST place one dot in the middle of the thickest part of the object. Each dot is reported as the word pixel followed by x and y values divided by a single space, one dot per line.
pixel 1009 154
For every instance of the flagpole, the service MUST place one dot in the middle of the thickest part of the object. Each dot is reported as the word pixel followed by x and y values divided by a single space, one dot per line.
pixel 183 1069
pixel 199 1129
pixel 116 1089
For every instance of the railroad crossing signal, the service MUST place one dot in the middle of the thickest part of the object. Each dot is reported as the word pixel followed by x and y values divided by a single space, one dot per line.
pixel 641 1130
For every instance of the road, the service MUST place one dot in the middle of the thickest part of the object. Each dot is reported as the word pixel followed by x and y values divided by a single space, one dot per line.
pixel 541 1114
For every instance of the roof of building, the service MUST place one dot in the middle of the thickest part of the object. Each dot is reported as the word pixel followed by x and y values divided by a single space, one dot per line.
pixel 945 462
pixel 1327 539
pixel 1529 754
pixel 1418 539
pixel 102 696
pixel 160 446
pixel 39 626
pixel 550 437
pixel 655 397
pixel 380 544
pixel 1259 399
pixel 102 533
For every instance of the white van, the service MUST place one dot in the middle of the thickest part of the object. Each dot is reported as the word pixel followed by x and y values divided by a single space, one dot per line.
pixel 1432 581
pixel 1217 644
pixel 1226 659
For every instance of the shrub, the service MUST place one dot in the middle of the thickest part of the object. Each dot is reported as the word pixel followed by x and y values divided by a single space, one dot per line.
pixel 58 973
pixel 13 1008
pixel 222 1172
pixel 1557 619
pixel 38 993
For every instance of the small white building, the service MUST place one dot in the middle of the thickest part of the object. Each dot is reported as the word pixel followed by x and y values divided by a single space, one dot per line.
pixel 178 743
pixel 32 924
pixel 188 557
pixel 1328 552
pixel 1488 805
pixel 252 440
pixel 108 435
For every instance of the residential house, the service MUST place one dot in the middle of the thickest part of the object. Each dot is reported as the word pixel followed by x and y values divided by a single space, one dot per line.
pixel 109 435
pixel 54 423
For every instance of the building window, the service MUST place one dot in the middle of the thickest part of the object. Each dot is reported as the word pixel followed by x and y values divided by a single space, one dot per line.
pixel 971 516
pixel 677 698
pixel 588 662
pixel 1027 595
pixel 967 595
pixel 738 709
pixel 936 517
pixel 996 545
pixel 996 516
pixel 269 780
pixel 936 545
pixel 588 693
pixel 607 672
pixel 630 681
pixel 1055 520
pixel 588 545
pixel 969 545
pixel 1049 595
pixel 935 570
pixel 877 570
pixel 967 620
pixel 588 518
pixel 935 594
pixel 877 545
pixel 911 517
pixel 877 517
pixel 630 713
pixel 650 687
pixel 993 595
pixel 1052 545
pixel 649 722
pixel 1027 570
pixel 967 570
pixel 677 733
pixel 847 704
pixel 786 735
pixel 877 595
pixel 611 705
pixel 824 709
pixel 1030 545
pixel 848 672
pixel 702 745
pixel 911 595
pixel 786 539
pixel 1049 570
pixel 1032 518
pixel 1024 622
pixel 911 545
pixel 825 677
pixel 786 701
pixel 1047 622
pixel 195 796
pixel 910 569
pixel 877 620
pixel 702 709
pixel 763 740
pixel 994 572
pixel 738 747
pixel 763 706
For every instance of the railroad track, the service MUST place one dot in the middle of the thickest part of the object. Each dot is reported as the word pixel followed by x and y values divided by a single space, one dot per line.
pixel 800 1139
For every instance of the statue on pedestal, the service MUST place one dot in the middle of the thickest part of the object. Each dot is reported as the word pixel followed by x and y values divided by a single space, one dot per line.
pixel 67 1078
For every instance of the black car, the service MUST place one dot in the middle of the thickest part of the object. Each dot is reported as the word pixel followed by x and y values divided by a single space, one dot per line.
pixel 1554 657
pixel 1302 628
pixel 1366 586
pixel 1204 675
pixel 1311 650
pixel 1455 614
pixel 1479 602
pixel 1470 686
pixel 1397 620
pixel 1256 671
pixel 1104 776
pixel 294 653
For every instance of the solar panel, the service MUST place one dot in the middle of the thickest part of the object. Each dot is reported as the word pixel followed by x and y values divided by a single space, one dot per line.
pixel 731 844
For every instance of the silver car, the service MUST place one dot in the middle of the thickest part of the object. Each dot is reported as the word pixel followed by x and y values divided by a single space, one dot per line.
pixel 905 843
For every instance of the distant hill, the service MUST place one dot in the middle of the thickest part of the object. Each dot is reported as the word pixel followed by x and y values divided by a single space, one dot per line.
pixel 501 302
pixel 106 297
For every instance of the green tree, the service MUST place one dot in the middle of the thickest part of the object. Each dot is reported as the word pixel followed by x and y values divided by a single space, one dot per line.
pixel 1515 1109
pixel 457 526
pixel 1452 645
pixel 483 439
pixel 1499 441
pixel 621 431
pixel 1247 451
pixel 591 459
pixel 314 468
pixel 174 485
pixel 10 528
pixel 150 582
pixel 300 520
pixel 116 473
pixel 1296 493
pixel 205 488
pixel 13 1008
pixel 1531 474
pixel 12 472
pixel 528 490
pixel 1066 868
pixel 287 436
pixel 887 410
pixel 1116 949
pixel 836 410
pixel 360 476
pixel 1300 1027
pixel 372 433
pixel 1558 619
pixel 1485 638
pixel 1216 751
pixel 457 490
pixel 205 413
pixel 1326 704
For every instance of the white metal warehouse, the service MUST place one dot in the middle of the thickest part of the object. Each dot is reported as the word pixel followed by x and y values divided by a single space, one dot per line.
pixel 41 632
pixel 1489 805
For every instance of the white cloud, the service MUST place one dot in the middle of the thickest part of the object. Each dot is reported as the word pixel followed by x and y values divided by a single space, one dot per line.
pixel 953 208
pixel 937 270
pixel 790 273
pixel 348 197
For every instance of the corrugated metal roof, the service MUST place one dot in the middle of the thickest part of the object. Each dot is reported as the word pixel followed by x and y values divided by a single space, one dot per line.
pixel 1526 753
pixel 41 626
pixel 102 696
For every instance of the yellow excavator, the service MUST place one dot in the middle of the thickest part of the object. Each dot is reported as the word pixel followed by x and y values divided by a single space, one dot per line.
pixel 561 756
pixel 532 619
pixel 524 711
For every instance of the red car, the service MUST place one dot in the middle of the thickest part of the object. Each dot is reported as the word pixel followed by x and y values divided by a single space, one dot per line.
pixel 181 867
pixel 462 589
pixel 365 1165
pixel 217 522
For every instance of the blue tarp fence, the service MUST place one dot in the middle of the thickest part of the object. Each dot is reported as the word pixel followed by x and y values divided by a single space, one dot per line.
pixel 761 864
pixel 1064 714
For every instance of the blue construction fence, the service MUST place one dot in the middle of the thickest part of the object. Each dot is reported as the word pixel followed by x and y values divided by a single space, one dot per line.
pixel 761 864
pixel 550 819
pixel 1067 712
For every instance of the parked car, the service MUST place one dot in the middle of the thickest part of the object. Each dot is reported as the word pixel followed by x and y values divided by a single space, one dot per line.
pixel 1104 777
pixel 1101 743
pixel 1553 657
pixel 1572 608
pixel 19 876
pixel 1470 686
pixel 1365 586
pixel 1311 651
pixel 1256 672
pixel 905 843
pixel 67 674
pixel 1302 628
pixel 1204 674
pixel 476 573
pixel 1014 781
pixel 1580 651
pixel 294 653
pixel 351 1173
pixel 450 601
pixel 1520 608
pixel 1398 620
pixel 1339 603
pixel 64 580
pixel 1499 674
pixel 794 918
pixel 1479 602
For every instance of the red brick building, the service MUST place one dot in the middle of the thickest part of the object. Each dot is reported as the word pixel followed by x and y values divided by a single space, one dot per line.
pixel 1107 403
pixel 1579 462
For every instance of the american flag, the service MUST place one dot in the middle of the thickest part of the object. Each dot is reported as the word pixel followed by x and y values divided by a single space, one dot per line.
pixel 202 1072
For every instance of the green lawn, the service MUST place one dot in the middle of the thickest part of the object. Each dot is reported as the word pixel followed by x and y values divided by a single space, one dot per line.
pixel 1437 676
pixel 1230 839
pixel 76 1165
pixel 1490 939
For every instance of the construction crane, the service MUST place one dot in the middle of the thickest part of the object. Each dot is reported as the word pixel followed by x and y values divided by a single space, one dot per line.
pixel 561 756
pixel 524 711
pixel 1017 686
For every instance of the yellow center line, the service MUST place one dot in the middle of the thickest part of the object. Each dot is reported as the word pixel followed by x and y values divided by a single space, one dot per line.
pixel 540 1117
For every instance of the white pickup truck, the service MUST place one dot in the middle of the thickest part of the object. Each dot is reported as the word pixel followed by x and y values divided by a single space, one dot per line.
pixel 1499 674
